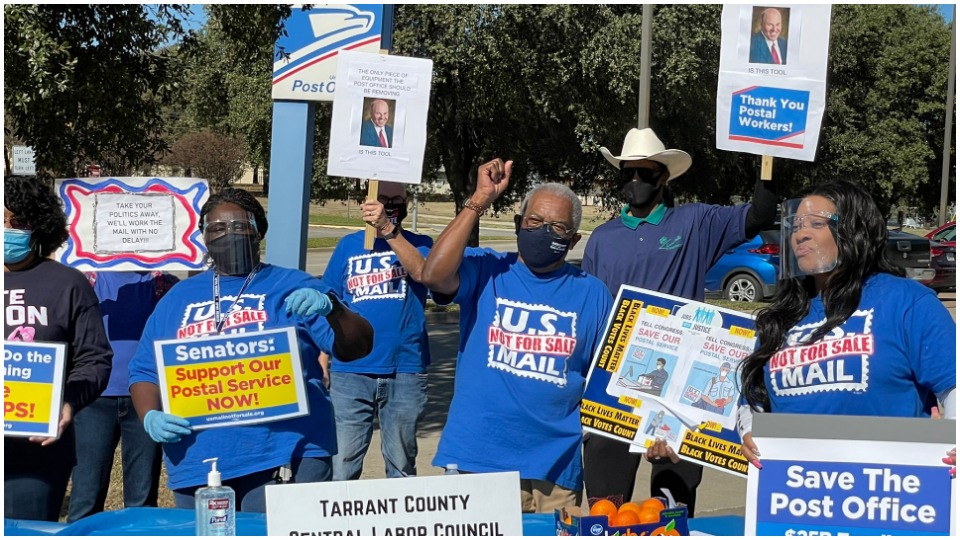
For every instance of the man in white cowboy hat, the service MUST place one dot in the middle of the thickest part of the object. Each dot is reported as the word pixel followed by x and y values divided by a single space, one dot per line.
pixel 658 247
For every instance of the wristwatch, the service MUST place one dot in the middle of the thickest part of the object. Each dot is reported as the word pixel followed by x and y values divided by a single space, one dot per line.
pixel 475 207
pixel 393 234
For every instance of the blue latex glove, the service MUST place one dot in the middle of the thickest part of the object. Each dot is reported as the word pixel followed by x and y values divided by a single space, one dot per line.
pixel 307 302
pixel 165 428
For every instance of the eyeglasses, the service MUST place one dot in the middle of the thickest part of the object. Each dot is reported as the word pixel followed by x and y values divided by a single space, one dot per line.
pixel 560 229
pixel 219 228
pixel 815 221
pixel 398 200
pixel 645 174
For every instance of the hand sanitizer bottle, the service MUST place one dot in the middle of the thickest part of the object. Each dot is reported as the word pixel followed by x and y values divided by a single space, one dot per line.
pixel 216 506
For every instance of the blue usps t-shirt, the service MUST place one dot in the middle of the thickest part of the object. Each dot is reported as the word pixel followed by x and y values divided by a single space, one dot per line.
pixel 526 342
pixel 889 358
pixel 187 312
pixel 672 257
pixel 375 285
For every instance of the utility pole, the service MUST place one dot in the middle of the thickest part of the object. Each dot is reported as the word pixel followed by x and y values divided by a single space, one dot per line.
pixel 646 31
pixel 948 121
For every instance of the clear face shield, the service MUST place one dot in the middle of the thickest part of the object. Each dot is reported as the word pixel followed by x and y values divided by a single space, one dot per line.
pixel 233 242
pixel 808 238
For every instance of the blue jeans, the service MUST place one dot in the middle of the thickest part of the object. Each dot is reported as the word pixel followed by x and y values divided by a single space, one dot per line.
pixel 397 400
pixel 251 489
pixel 99 427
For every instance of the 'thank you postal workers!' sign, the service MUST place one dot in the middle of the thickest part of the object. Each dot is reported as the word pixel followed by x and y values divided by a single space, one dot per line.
pixel 314 39
pixel 771 92
pixel 379 125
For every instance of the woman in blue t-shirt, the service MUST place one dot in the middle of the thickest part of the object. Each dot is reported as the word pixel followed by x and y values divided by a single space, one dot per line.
pixel 241 294
pixel 845 333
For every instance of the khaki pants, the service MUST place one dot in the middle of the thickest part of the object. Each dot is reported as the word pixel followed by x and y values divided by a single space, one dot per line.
pixel 541 496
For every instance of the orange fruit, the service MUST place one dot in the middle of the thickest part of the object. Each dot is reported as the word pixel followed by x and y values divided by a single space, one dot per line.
pixel 603 507
pixel 653 503
pixel 630 505
pixel 625 518
pixel 649 515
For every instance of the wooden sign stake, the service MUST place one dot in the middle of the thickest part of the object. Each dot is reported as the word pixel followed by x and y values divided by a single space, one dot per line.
pixel 766 168
pixel 373 189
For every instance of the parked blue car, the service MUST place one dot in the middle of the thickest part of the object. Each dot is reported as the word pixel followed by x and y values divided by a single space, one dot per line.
pixel 747 273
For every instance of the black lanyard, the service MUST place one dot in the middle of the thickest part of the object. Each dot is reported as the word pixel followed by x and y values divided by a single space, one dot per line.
pixel 216 297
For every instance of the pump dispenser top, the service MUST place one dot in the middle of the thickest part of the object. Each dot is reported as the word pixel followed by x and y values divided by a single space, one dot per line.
pixel 213 477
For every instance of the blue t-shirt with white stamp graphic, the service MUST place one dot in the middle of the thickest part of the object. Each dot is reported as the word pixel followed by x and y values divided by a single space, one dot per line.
pixel 375 285
pixel 888 359
pixel 187 312
pixel 671 257
pixel 526 343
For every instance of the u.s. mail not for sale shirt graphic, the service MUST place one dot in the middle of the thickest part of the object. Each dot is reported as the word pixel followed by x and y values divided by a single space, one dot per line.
pixel 532 340
pixel 840 361
pixel 244 314
pixel 374 276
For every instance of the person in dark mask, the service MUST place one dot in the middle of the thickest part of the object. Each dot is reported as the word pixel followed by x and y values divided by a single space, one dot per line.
pixel 238 295
pixel 665 248
pixel 390 383
pixel 529 324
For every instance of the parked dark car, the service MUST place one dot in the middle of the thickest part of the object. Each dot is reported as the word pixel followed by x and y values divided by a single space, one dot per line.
pixel 912 253
pixel 748 272
pixel 943 256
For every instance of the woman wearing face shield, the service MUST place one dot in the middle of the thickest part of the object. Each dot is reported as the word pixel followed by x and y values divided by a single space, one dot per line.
pixel 250 456
pixel 845 333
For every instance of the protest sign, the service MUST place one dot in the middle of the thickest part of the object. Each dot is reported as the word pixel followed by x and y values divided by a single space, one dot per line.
pixel 771 92
pixel 379 125
pixel 486 504
pixel 851 476
pixel 132 223
pixel 667 370
pixel 228 380
pixel 32 388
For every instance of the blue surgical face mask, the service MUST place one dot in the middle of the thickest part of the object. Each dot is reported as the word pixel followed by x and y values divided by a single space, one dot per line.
pixel 16 245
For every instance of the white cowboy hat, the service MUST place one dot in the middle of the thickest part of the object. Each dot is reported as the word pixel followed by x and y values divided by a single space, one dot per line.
pixel 644 144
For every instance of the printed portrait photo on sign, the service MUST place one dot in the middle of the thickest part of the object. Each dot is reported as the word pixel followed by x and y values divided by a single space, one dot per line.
pixel 769 35
pixel 377 122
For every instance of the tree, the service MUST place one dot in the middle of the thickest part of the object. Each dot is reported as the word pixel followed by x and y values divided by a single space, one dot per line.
pixel 86 82
pixel 215 157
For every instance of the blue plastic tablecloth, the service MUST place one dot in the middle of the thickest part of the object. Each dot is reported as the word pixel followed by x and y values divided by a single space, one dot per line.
pixel 174 522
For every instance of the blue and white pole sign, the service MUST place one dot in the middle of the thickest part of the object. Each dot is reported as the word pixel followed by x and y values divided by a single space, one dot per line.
pixel 772 86
pixel 851 476
pixel 314 40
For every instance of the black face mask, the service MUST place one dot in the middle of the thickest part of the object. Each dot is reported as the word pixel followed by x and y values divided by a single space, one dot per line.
pixel 640 194
pixel 641 187
pixel 395 212
pixel 541 248
pixel 234 254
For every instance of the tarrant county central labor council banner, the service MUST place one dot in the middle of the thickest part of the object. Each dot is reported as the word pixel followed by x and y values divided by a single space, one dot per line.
pixel 667 369
pixel 233 379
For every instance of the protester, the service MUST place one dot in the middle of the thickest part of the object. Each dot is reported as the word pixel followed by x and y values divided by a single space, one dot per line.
pixel 529 324
pixel 126 301
pixel 839 289
pixel 254 455
pixel 656 246
pixel 391 382
pixel 49 302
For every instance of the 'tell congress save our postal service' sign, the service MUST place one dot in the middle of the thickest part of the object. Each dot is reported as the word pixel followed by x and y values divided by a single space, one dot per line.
pixel 313 42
